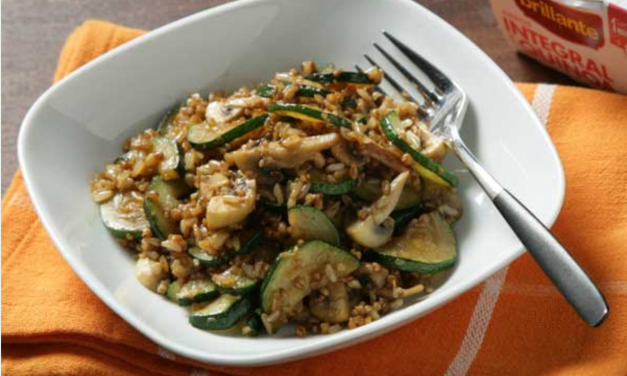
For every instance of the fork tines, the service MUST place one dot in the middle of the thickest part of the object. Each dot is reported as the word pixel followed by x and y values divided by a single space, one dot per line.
pixel 432 97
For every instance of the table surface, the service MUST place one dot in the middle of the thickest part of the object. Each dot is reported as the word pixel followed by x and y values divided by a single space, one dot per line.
pixel 33 33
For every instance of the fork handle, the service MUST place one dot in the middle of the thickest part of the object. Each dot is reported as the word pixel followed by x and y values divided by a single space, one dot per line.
pixel 570 279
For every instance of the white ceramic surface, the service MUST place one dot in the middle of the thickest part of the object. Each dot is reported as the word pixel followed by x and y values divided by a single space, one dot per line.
pixel 81 122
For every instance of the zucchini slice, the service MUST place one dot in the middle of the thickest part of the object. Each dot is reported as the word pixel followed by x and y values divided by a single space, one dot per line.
pixel 428 245
pixel 164 125
pixel 206 259
pixel 173 290
pixel 130 156
pixel 309 223
pixel 222 313
pixel 248 240
pixel 255 324
pixel 308 113
pixel 168 193
pixel 172 166
pixel 301 262
pixel 352 78
pixel 371 191
pixel 229 283
pixel 348 103
pixel 427 168
pixel 123 215
pixel 320 184
pixel 268 90
pixel 404 216
pixel 204 137
pixel 196 291
pixel 273 205
pixel 310 91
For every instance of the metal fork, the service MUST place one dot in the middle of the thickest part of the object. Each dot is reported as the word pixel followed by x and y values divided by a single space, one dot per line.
pixel 443 109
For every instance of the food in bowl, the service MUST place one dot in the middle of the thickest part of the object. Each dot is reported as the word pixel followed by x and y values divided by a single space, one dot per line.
pixel 314 199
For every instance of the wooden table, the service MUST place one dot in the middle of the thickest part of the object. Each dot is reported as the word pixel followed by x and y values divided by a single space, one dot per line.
pixel 33 32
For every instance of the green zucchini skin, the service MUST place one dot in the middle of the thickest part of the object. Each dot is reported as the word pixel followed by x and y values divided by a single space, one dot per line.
pixel 309 223
pixel 427 246
pixel 319 184
pixel 342 187
pixel 355 78
pixel 303 112
pixel 256 325
pixel 222 313
pixel 168 194
pixel 242 286
pixel 403 216
pixel 268 91
pixel 309 257
pixel 428 168
pixel 163 127
pixel 251 240
pixel 172 166
pixel 196 291
pixel 173 290
pixel 206 259
pixel 123 216
pixel 202 138
pixel 348 103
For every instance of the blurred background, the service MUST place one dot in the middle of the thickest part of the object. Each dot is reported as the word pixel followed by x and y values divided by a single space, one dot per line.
pixel 33 33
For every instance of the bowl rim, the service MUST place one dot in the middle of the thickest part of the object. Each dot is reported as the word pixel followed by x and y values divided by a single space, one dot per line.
pixel 339 340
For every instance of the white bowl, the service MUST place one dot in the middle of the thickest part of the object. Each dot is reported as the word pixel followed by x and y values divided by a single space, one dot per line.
pixel 81 122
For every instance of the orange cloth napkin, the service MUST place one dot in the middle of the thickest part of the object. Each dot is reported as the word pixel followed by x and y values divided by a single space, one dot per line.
pixel 514 324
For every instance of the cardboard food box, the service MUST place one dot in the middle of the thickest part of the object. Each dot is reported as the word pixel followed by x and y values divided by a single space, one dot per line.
pixel 585 39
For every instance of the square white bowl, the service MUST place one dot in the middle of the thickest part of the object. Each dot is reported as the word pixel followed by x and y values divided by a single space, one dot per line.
pixel 81 122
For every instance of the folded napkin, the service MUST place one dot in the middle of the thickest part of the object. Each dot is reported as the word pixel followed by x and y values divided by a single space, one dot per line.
pixel 515 323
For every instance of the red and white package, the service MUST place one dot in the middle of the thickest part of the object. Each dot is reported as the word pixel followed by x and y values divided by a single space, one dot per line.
pixel 586 39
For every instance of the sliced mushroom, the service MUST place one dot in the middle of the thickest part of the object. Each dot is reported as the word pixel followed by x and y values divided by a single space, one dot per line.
pixel 377 228
pixel 386 155
pixel 333 307
pixel 275 155
pixel 278 156
pixel 222 112
pixel 210 183
pixel 150 273
pixel 342 152
pixel 245 158
pixel 228 209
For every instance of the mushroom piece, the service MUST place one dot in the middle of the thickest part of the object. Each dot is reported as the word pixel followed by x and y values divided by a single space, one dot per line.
pixel 149 273
pixel 245 158
pixel 275 155
pixel 377 228
pixel 342 152
pixel 227 209
pixel 388 156
pixel 333 307
pixel 278 156
pixel 222 111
